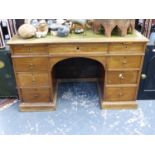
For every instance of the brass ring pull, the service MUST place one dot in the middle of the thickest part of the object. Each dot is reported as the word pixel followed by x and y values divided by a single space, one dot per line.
pixel 33 80
pixel 29 49
pixel 127 43
pixel 120 94
pixel 124 62
pixel 121 76
pixel 31 65
pixel 36 95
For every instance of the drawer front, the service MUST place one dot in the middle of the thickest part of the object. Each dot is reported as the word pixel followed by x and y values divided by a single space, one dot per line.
pixel 35 95
pixel 20 49
pixel 32 79
pixel 78 48
pixel 30 64
pixel 126 47
pixel 120 93
pixel 122 62
pixel 28 49
pixel 122 77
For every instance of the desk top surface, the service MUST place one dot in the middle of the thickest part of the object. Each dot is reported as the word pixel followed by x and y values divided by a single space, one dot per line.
pixel 88 37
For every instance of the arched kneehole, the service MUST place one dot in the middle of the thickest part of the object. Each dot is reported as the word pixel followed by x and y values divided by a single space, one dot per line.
pixel 79 69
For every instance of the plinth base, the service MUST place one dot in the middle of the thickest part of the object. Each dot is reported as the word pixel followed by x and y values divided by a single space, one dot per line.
pixel 25 107
pixel 119 105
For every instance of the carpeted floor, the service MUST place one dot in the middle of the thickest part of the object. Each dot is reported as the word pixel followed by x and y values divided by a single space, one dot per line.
pixel 78 113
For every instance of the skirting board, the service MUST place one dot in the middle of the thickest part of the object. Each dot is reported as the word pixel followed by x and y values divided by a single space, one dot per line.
pixel 119 105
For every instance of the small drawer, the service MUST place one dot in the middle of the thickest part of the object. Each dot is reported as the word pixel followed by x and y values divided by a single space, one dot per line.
pixel 29 49
pixel 78 48
pixel 35 95
pixel 120 93
pixel 32 79
pixel 30 64
pixel 17 49
pixel 122 77
pixel 123 62
pixel 126 47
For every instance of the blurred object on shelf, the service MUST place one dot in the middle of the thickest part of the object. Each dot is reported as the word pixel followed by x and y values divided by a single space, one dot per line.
pixel 53 33
pixel 60 27
pixel 12 27
pixel 139 24
pixel 34 22
pixel 42 29
pixel 145 26
pixel 89 24
pixel 63 31
pixel 7 30
pixel 78 31
pixel 19 22
pixel 50 22
pixel 60 21
pixel 26 31
pixel 44 26
pixel 78 25
pixel 153 25
pixel 54 27
pixel 146 29
pixel 2 43
pixel 152 39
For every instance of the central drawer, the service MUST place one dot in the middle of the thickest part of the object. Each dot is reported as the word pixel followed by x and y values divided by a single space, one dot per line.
pixel 124 62
pixel 120 93
pixel 35 95
pixel 122 77
pixel 78 48
pixel 32 79
pixel 30 64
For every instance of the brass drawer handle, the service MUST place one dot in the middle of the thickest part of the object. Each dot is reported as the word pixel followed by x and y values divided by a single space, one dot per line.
pixel 121 76
pixel 33 80
pixel 127 43
pixel 36 95
pixel 120 94
pixel 31 66
pixel 124 62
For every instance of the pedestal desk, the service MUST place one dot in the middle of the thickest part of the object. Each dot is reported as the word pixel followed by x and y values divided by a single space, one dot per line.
pixel 121 58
